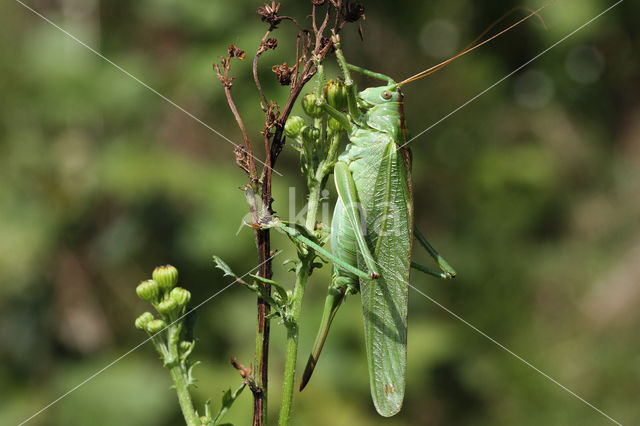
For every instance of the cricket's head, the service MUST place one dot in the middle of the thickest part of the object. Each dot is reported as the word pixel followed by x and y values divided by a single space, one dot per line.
pixel 384 108
pixel 381 95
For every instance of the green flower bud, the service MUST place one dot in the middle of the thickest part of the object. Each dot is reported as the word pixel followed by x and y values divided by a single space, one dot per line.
pixel 335 126
pixel 166 277
pixel 180 296
pixel 155 326
pixel 148 291
pixel 293 126
pixel 143 320
pixel 310 134
pixel 168 306
pixel 336 93
pixel 185 346
pixel 311 106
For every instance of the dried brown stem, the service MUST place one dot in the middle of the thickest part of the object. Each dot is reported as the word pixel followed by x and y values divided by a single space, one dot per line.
pixel 248 163
pixel 245 159
pixel 256 80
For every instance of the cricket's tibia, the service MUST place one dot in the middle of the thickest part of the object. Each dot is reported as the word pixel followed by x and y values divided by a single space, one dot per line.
pixel 332 303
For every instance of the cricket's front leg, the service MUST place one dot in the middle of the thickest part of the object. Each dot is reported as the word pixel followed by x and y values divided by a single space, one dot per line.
pixel 294 231
pixel 352 91
pixel 349 196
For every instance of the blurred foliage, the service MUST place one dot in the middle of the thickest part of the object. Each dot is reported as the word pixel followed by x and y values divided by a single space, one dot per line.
pixel 530 191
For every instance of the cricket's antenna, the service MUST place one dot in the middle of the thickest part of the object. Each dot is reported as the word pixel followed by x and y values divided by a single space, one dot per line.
pixel 506 15
pixel 473 46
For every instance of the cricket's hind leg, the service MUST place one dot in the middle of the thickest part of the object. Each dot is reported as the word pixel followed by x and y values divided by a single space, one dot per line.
pixel 446 271
pixel 340 287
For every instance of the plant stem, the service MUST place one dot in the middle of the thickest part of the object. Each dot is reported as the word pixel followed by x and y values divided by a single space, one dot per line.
pixel 293 328
pixel 312 206
pixel 184 397
pixel 179 376
pixel 292 346
pixel 262 332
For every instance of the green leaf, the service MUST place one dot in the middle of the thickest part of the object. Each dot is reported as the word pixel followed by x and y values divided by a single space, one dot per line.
pixel 190 379
pixel 220 264
pixel 207 409
pixel 281 290
pixel 228 398
pixel 293 262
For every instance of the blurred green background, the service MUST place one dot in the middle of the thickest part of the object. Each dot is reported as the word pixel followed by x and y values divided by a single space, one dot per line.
pixel 531 192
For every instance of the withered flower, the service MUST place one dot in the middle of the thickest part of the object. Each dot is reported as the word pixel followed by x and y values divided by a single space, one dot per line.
pixel 242 158
pixel 284 73
pixel 271 43
pixel 269 13
pixel 317 2
pixel 235 52
pixel 353 12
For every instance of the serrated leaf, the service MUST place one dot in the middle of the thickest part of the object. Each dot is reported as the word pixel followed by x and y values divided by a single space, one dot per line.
pixel 293 262
pixel 220 264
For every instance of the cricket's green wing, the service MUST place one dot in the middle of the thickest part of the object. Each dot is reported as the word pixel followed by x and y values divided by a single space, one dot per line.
pixel 385 192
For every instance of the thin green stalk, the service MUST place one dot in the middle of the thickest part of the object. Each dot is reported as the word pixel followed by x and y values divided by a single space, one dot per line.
pixel 184 397
pixel 312 206
pixel 179 376
pixel 292 347
pixel 296 307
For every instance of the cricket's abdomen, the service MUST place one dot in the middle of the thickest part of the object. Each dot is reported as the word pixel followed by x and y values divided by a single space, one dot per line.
pixel 381 177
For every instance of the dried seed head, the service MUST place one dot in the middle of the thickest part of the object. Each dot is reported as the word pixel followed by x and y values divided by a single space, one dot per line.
pixel 284 73
pixel 271 43
pixel 269 13
pixel 235 52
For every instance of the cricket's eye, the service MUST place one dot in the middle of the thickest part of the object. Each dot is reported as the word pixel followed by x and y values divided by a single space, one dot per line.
pixel 386 95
